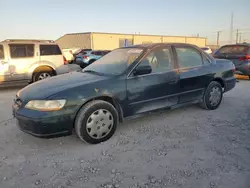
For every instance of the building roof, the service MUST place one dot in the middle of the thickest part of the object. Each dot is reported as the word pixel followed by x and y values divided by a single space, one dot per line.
pixel 83 40
pixel 135 34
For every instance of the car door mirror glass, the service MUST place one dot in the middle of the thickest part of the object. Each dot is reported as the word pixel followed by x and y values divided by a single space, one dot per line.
pixel 143 69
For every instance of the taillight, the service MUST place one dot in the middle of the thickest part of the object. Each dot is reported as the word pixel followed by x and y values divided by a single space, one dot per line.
pixel 64 60
pixel 233 69
pixel 84 57
pixel 246 57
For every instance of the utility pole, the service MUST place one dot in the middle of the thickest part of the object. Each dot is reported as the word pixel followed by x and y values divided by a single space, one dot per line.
pixel 231 27
pixel 237 35
pixel 218 37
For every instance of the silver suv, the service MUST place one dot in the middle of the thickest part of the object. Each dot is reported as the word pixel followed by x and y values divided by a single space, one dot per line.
pixel 29 60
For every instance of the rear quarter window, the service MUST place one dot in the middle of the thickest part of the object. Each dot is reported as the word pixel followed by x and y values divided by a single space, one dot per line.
pixel 1 52
pixel 50 50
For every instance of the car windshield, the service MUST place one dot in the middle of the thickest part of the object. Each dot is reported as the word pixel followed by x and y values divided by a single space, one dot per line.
pixel 115 62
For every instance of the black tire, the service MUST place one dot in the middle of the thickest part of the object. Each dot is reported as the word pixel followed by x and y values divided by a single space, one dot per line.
pixel 206 103
pixel 91 61
pixel 37 75
pixel 83 116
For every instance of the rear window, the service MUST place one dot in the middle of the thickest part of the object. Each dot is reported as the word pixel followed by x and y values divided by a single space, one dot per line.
pixel 235 49
pixel 21 50
pixel 1 52
pixel 96 53
pixel 50 50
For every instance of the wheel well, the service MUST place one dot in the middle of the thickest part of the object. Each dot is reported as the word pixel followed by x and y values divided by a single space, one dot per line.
pixel 220 81
pixel 92 60
pixel 44 68
pixel 109 100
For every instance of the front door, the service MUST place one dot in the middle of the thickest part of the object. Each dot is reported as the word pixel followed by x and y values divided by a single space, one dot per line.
pixel 22 56
pixel 4 65
pixel 194 77
pixel 158 89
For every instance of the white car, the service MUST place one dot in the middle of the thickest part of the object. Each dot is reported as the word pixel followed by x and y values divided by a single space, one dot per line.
pixel 207 50
pixel 29 60
pixel 69 53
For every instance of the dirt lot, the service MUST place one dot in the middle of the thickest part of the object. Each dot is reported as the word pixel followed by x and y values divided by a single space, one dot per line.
pixel 187 147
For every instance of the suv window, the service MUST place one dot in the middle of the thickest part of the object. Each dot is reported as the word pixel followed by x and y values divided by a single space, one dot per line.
pixel 188 57
pixel 160 60
pixel 1 52
pixel 50 50
pixel 21 50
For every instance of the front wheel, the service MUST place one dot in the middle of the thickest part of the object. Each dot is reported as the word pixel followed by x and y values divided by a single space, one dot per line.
pixel 96 122
pixel 213 96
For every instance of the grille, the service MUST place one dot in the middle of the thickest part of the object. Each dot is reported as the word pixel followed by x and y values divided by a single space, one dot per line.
pixel 18 101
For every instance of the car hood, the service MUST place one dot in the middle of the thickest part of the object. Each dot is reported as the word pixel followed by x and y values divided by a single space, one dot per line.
pixel 45 88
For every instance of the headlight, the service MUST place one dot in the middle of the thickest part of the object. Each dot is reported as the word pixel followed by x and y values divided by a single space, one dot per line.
pixel 45 105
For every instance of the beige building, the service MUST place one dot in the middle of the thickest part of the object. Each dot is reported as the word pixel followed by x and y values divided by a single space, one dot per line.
pixel 110 41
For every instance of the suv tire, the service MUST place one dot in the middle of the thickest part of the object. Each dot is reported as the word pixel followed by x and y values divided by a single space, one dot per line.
pixel 42 75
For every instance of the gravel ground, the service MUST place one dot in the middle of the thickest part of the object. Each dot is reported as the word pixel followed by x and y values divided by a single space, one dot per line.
pixel 187 147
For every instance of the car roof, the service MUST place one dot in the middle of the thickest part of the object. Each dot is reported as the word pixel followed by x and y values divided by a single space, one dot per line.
pixel 29 41
pixel 239 44
pixel 153 45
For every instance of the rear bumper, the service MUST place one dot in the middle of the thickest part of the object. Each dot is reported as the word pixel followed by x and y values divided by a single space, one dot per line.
pixel 243 69
pixel 229 84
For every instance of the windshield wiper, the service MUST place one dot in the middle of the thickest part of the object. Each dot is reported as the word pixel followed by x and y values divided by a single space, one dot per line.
pixel 92 71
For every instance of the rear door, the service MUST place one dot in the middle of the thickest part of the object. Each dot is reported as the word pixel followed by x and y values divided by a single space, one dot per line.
pixel 235 53
pixel 195 72
pixel 4 65
pixel 51 53
pixel 22 56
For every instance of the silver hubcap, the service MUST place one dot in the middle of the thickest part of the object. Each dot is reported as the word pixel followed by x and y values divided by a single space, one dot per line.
pixel 215 96
pixel 43 76
pixel 99 123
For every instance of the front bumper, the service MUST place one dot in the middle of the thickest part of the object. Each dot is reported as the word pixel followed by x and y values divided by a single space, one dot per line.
pixel 43 124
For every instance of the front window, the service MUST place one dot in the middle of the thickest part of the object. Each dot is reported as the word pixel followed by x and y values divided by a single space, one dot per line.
pixel 115 62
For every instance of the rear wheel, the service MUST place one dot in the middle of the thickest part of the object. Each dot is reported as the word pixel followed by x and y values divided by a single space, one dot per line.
pixel 96 122
pixel 41 75
pixel 213 96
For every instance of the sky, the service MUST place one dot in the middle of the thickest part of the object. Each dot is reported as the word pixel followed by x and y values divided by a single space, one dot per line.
pixel 51 19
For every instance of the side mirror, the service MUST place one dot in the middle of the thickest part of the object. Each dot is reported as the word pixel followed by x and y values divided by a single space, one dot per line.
pixel 143 69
